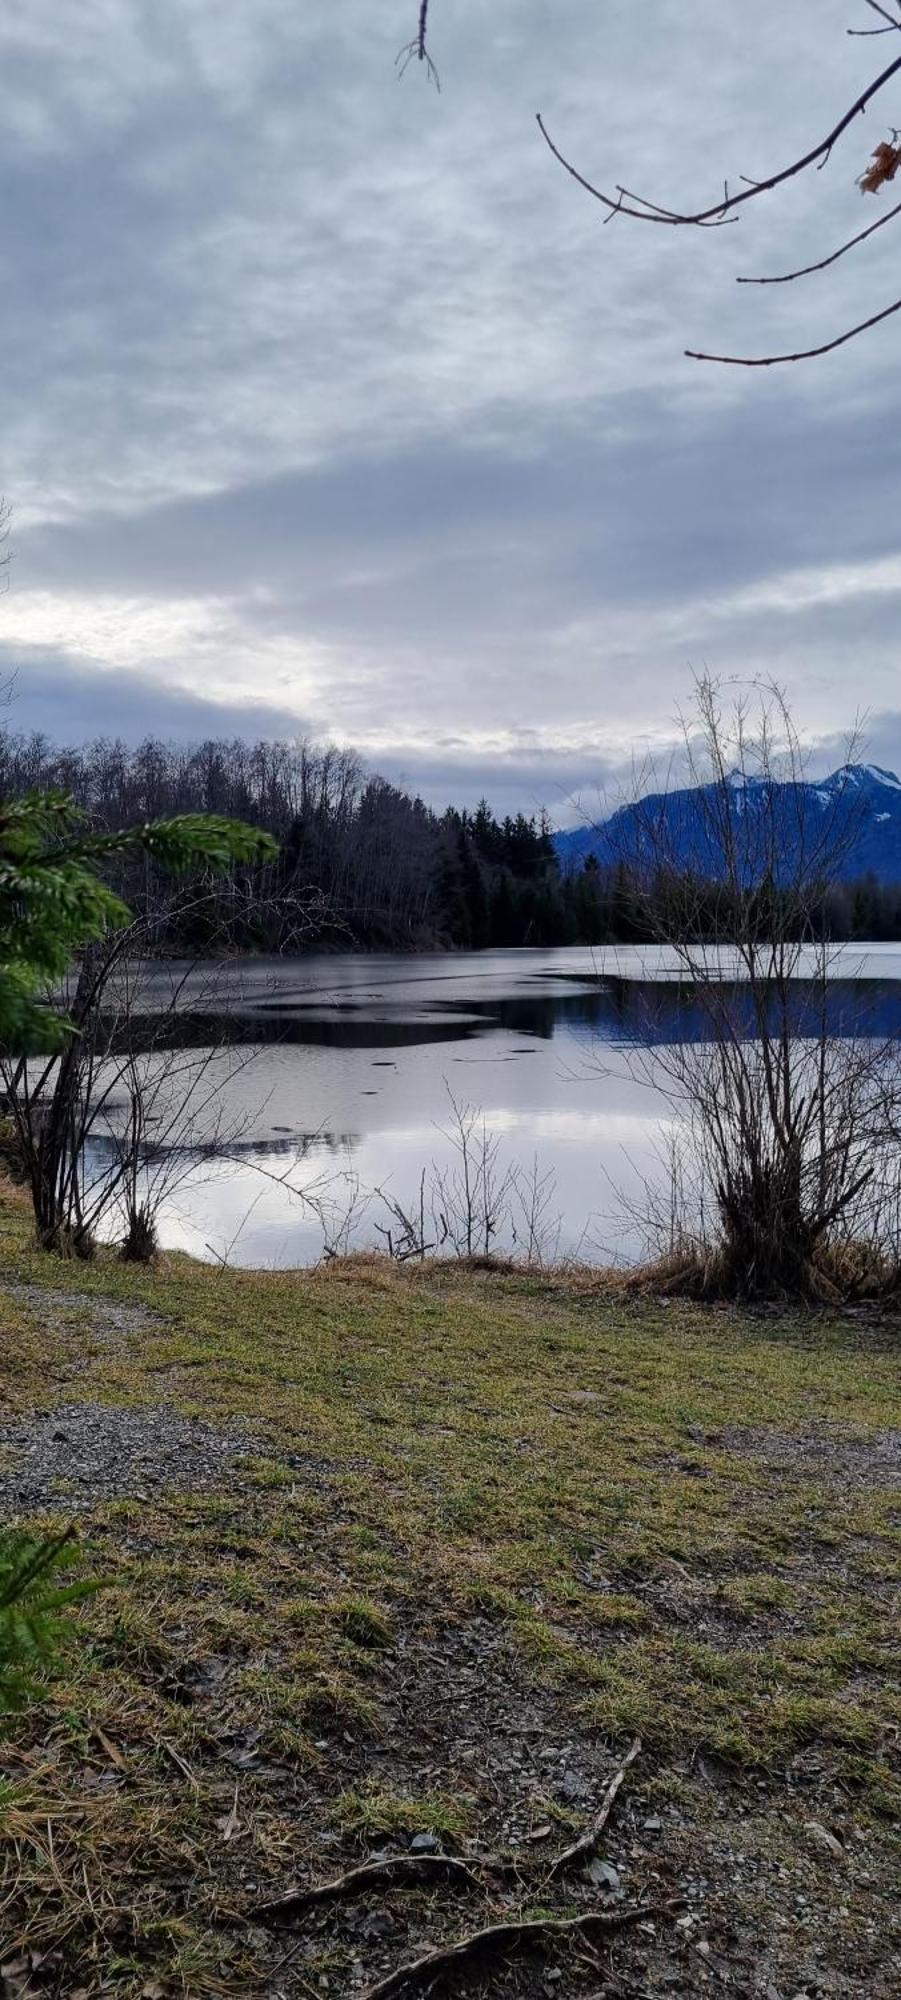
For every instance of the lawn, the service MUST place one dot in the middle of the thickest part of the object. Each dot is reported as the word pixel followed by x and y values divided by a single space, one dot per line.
pixel 395 1556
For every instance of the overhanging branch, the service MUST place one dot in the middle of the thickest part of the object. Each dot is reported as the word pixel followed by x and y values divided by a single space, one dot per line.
pixel 641 209
pixel 824 262
pixel 803 354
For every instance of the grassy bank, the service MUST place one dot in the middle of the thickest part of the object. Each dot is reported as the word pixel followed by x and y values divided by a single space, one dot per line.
pixel 457 1539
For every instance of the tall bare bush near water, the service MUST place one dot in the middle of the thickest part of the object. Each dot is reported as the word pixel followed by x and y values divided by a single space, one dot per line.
pixel 790 1113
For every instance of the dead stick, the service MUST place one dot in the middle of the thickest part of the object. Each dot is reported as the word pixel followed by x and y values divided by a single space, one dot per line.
pixel 500 1937
pixel 588 1841
pixel 370 1875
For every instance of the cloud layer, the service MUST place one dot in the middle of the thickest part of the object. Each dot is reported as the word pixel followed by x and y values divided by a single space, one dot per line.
pixel 329 404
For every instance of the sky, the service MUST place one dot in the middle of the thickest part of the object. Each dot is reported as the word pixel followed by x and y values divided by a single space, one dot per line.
pixel 330 406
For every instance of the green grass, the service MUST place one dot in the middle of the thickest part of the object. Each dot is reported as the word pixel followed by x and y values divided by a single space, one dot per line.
pixel 631 1550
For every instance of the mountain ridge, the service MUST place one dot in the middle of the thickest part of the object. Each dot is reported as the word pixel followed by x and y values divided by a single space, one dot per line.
pixel 858 805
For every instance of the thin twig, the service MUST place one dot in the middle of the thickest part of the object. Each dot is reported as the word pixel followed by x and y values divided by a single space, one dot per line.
pixel 588 1841
pixel 803 354
pixel 648 211
pixel 178 1761
pixel 824 263
pixel 417 49
pixel 863 34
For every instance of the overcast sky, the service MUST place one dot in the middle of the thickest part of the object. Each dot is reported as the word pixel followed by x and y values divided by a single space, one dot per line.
pixel 330 406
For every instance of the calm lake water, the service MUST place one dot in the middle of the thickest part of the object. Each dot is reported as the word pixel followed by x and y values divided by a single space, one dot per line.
pixel 338 1079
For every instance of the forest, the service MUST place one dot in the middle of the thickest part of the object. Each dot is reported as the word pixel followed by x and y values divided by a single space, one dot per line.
pixel 362 865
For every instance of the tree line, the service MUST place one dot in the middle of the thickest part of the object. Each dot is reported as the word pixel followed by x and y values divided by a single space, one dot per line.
pixel 362 864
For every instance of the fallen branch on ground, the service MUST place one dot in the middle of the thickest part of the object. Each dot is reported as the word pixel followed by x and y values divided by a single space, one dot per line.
pixel 588 1841
pixel 502 1937
pixel 370 1875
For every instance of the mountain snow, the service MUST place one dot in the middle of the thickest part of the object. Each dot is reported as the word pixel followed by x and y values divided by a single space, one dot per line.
pixel 864 799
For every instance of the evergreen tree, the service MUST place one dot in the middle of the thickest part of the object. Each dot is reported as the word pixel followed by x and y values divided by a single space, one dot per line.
pixel 53 900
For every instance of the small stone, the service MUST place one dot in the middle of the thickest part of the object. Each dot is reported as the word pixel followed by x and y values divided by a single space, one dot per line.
pixel 824 1838
pixel 425 1843
pixel 652 1826
pixel 603 1875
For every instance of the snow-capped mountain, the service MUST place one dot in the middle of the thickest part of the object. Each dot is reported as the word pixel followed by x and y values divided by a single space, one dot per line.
pixel 854 815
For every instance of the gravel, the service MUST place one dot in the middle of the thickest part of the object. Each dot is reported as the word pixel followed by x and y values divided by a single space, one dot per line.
pixel 109 1321
pixel 79 1453
pixel 869 1461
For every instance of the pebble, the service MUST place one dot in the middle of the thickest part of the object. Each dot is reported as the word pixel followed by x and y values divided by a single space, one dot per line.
pixel 603 1875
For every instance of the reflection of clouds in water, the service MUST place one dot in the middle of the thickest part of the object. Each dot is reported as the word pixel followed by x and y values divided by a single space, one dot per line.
pixel 253 1209
pixel 372 1108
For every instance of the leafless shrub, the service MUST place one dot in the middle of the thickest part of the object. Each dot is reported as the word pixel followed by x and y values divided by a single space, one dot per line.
pixel 790 1114
pixel 470 1207
pixel 107 1130
pixel 535 1226
pixel 471 1199
pixel 342 1218
pixel 405 1236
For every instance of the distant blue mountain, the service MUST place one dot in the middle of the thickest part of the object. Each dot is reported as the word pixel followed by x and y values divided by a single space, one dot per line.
pixel 855 816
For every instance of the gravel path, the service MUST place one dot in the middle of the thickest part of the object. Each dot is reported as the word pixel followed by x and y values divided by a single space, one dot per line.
pixel 75 1454
pixel 109 1321
pixel 72 1456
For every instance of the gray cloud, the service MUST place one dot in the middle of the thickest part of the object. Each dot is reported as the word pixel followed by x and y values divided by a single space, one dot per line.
pixel 71 703
pixel 331 404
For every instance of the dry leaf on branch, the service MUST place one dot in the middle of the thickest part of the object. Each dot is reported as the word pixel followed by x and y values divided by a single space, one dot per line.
pixel 882 168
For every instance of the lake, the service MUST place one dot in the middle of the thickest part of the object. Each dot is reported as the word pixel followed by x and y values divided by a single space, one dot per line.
pixel 335 1086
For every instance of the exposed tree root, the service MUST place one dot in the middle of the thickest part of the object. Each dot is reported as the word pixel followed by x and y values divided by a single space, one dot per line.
pixel 519 1934
pixel 585 1846
pixel 397 1868
pixel 413 1869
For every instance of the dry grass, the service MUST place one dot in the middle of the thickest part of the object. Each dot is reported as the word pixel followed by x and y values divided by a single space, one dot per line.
pixel 492 1517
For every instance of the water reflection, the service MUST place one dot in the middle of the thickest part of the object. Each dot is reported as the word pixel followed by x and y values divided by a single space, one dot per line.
pixel 341 1071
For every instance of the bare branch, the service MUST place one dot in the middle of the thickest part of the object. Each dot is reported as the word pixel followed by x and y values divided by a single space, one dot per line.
pixel 824 263
pixel 643 210
pixel 417 49
pixel 803 354
pixel 863 34
pixel 617 207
